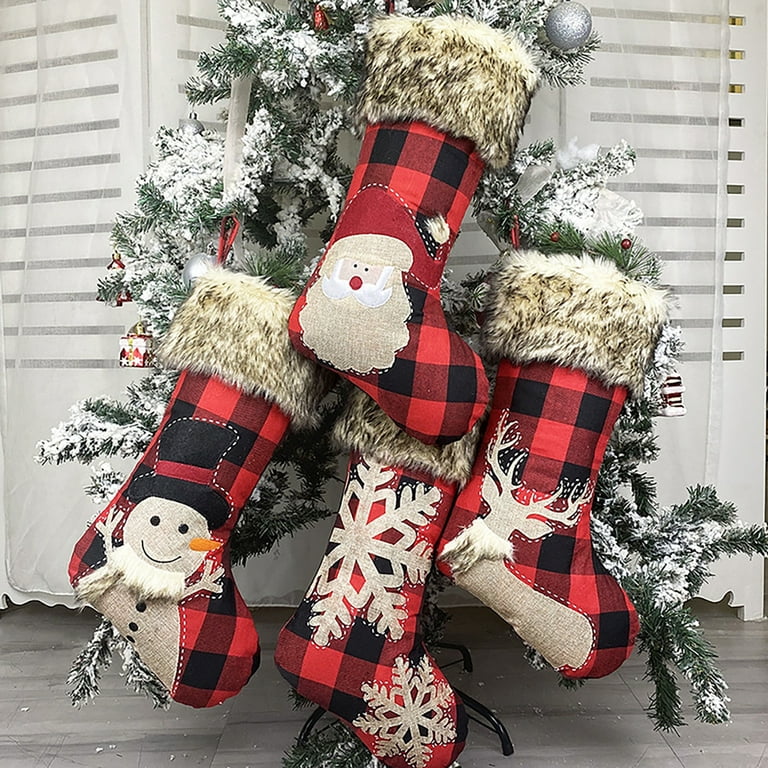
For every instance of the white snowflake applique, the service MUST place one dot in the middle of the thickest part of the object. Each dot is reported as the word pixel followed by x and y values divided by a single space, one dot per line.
pixel 373 549
pixel 410 715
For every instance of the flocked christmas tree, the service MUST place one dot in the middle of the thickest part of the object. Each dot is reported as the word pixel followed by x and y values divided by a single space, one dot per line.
pixel 304 67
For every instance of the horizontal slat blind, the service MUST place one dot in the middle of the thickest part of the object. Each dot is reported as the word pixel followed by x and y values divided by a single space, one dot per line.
pixel 84 87
pixel 60 157
pixel 740 471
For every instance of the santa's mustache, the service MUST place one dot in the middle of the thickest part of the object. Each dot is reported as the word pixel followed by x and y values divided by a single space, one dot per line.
pixel 369 295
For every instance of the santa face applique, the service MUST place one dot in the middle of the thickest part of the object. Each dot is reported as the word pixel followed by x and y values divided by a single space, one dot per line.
pixel 361 288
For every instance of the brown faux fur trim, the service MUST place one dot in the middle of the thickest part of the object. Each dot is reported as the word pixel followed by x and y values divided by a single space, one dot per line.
pixel 365 428
pixel 574 311
pixel 236 327
pixel 454 73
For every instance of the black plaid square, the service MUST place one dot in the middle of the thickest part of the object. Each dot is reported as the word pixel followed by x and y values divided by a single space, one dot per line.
pixel 387 146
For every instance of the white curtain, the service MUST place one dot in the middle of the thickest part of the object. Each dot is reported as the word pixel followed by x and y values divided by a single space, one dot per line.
pixel 85 85
pixel 660 82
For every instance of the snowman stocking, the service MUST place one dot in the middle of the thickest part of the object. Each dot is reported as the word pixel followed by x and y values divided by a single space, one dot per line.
pixel 353 646
pixel 442 98
pixel 572 337
pixel 155 562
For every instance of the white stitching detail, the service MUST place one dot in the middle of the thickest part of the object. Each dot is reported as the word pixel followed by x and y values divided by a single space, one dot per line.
pixel 558 598
pixel 405 205
pixel 218 465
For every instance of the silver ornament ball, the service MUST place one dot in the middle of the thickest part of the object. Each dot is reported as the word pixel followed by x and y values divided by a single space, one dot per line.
pixel 568 25
pixel 191 124
pixel 195 267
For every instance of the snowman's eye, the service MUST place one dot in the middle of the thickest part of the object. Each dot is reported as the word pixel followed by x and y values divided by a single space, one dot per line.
pixel 154 520
pixel 183 528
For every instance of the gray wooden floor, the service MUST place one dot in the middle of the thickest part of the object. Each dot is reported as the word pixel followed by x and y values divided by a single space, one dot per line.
pixel 602 725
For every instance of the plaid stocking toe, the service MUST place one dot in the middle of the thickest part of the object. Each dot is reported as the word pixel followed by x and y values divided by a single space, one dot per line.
pixel 353 646
pixel 371 311
pixel 518 537
pixel 156 560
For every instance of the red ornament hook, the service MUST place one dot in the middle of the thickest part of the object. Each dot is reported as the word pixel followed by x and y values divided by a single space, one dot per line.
pixel 514 233
pixel 230 226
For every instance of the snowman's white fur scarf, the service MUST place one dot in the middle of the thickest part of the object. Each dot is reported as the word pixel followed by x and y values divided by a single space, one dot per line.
pixel 454 73
pixel 235 326
pixel 125 567
pixel 574 311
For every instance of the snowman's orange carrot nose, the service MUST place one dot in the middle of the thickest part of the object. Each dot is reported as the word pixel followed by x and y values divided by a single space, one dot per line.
pixel 204 545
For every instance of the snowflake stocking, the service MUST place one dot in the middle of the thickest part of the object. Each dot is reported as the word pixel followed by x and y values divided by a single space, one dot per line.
pixel 572 337
pixel 442 98
pixel 353 646
pixel 155 562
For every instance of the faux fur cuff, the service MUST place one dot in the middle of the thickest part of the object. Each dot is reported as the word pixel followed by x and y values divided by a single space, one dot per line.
pixel 365 428
pixel 236 327
pixel 454 73
pixel 577 312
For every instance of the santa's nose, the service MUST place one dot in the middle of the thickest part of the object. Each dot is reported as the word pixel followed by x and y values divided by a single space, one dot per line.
pixel 355 282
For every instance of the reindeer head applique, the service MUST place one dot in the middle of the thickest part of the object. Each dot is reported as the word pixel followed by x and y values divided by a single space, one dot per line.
pixel 513 505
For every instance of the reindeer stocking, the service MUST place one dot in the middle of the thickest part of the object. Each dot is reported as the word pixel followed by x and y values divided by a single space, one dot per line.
pixel 572 337
pixel 155 562
pixel 353 646
pixel 442 97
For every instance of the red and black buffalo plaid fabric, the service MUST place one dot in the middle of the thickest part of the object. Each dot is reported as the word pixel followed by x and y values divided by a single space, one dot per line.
pixel 353 646
pixel 207 455
pixel 433 385
pixel 534 479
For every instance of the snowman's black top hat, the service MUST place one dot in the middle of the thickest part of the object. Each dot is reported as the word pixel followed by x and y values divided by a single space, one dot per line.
pixel 189 453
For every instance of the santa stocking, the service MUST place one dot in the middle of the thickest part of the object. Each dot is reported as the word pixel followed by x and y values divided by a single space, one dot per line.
pixel 353 646
pixel 442 98
pixel 572 337
pixel 155 562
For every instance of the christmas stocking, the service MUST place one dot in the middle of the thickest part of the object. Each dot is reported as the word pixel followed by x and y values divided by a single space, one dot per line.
pixel 572 337
pixel 442 98
pixel 353 646
pixel 155 562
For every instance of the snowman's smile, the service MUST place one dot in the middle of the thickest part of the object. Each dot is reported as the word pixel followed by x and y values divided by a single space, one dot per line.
pixel 154 559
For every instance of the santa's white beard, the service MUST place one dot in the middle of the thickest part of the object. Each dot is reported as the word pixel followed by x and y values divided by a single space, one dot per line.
pixel 127 568
pixel 351 336
pixel 371 296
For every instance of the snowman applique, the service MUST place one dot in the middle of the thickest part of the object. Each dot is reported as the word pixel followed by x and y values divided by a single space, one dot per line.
pixel 160 554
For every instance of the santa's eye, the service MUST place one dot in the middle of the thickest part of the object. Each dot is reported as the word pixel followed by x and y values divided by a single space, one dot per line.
pixel 365 269
pixel 154 520
pixel 183 528
pixel 354 266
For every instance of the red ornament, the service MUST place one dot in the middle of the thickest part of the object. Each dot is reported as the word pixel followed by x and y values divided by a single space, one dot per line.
pixel 228 230
pixel 136 349
pixel 116 263
pixel 626 243
pixel 514 234
pixel 125 295
pixel 320 18
pixel 555 237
